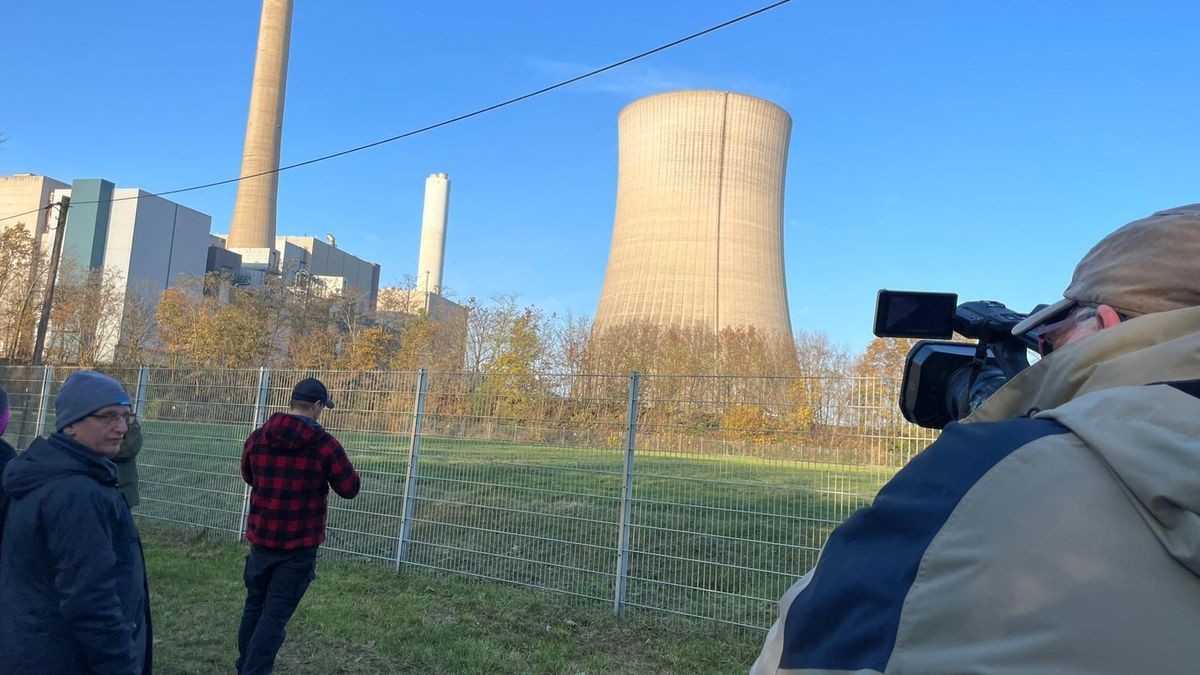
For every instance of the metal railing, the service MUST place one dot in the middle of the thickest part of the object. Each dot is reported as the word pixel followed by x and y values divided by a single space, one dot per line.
pixel 705 496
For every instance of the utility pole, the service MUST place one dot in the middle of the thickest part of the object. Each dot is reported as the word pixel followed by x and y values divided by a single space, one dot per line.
pixel 39 343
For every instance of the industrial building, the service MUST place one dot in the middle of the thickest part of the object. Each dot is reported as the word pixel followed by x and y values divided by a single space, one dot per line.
pixel 698 231
pixel 27 194
pixel 337 270
pixel 147 242
pixel 127 230
pixel 141 237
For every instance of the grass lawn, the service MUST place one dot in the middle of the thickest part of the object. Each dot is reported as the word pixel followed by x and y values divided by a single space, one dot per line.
pixel 362 618
pixel 719 537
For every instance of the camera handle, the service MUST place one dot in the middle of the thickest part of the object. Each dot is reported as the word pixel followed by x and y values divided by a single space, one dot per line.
pixel 977 364
pixel 1012 356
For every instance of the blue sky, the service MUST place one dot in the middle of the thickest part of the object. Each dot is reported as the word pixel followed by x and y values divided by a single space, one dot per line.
pixel 971 147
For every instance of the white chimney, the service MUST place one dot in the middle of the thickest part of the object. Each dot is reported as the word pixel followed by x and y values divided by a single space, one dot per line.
pixel 433 233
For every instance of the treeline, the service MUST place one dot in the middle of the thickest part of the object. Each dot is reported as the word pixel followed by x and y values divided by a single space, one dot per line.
pixel 515 373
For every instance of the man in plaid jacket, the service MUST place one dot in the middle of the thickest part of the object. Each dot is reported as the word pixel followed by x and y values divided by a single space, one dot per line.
pixel 289 463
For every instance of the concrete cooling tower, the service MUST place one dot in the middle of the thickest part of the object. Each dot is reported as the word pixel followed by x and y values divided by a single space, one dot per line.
pixel 698 234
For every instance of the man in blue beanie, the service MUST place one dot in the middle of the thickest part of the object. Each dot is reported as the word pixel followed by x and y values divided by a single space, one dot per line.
pixel 72 574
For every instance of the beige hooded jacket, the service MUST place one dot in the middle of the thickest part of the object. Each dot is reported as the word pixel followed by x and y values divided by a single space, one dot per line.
pixel 1064 542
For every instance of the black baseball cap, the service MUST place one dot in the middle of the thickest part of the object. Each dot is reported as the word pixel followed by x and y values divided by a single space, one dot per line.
pixel 311 389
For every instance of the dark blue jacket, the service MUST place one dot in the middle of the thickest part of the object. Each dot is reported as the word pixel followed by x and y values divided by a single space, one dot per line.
pixel 72 575
pixel 7 452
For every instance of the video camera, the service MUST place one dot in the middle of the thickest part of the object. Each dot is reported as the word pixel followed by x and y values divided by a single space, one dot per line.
pixel 946 381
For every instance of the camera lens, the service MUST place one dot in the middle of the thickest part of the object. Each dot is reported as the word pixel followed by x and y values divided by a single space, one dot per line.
pixel 963 396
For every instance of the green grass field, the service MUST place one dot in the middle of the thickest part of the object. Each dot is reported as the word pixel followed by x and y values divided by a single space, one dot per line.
pixel 718 537
pixel 362 618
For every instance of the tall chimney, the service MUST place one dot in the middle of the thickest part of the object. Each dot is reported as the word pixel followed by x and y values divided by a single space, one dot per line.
pixel 253 223
pixel 433 233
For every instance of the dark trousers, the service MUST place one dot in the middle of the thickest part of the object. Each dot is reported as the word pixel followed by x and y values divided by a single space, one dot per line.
pixel 275 582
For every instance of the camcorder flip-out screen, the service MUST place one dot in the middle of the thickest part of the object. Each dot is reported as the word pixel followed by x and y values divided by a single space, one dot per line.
pixel 915 314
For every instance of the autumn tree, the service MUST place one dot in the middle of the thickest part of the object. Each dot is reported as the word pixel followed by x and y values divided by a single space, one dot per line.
pixel 745 350
pixel 821 392
pixel 819 399
pixel 315 348
pixel 875 399
pixel 183 317
pixel 199 330
pixel 368 348
pixel 350 314
pixel 420 341
pixel 85 316
pixel 243 332
pixel 306 321
pixel 134 346
pixel 487 326
pixel 22 283
pixel 517 360
pixel 884 358
pixel 637 346
pixel 566 341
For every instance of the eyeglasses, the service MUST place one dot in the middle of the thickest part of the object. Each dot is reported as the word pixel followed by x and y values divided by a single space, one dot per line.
pixel 1051 333
pixel 112 417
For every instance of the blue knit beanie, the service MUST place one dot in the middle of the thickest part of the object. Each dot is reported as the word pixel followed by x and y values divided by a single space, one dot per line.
pixel 85 392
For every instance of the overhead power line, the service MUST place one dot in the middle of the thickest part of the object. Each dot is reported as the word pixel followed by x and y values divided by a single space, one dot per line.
pixel 447 122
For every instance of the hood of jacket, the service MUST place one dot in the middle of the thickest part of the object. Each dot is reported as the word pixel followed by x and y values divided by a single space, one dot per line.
pixel 1103 389
pixel 53 458
pixel 291 433
pixel 1149 438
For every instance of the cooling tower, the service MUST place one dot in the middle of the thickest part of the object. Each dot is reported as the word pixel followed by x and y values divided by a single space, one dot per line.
pixel 433 233
pixel 253 224
pixel 698 234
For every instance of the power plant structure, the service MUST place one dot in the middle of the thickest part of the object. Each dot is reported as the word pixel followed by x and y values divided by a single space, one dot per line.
pixel 143 243
pixel 253 225
pixel 252 251
pixel 698 233
pixel 433 233
pixel 427 293
pixel 426 298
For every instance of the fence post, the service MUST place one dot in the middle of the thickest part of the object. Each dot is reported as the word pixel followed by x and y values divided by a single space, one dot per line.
pixel 44 404
pixel 626 499
pixel 260 414
pixel 139 394
pixel 410 476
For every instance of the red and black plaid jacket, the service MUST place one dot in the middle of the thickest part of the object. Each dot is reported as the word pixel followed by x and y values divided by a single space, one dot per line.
pixel 290 465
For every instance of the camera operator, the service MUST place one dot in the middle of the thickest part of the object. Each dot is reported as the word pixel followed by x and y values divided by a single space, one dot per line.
pixel 1057 529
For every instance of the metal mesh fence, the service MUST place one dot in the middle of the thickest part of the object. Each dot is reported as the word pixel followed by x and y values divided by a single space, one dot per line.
pixel 738 482
pixel 705 496
pixel 193 426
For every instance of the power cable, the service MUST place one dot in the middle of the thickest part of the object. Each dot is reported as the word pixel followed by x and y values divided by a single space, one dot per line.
pixel 452 120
